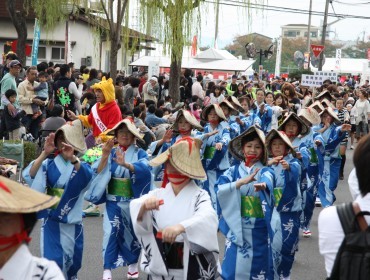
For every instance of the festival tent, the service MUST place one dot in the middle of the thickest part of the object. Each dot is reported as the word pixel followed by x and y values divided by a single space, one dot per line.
pixel 352 66
pixel 211 59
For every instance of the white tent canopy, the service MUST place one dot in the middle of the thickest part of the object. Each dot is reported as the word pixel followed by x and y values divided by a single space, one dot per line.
pixel 211 59
pixel 348 65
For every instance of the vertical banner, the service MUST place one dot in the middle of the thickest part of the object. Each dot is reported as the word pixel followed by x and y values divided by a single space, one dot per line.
pixel 368 54
pixel 153 69
pixel 278 57
pixel 35 44
pixel 194 46
pixel 67 45
pixel 306 62
pixel 338 60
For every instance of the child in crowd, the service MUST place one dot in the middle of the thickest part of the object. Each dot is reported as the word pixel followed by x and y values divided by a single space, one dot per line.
pixel 12 120
pixel 42 94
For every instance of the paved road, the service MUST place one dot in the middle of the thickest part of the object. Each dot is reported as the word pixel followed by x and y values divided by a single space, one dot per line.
pixel 309 264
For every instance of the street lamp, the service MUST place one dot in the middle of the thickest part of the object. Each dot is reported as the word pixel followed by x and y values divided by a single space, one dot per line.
pixel 251 51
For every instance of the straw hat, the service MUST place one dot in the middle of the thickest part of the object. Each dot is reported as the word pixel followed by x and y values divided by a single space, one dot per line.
pixel 130 126
pixel 331 112
pixel 281 134
pixel 235 145
pixel 304 128
pixel 309 115
pixel 184 155
pixel 232 109
pixel 218 110
pixel 317 106
pixel 189 117
pixel 74 136
pixel 16 198
pixel 327 103
pixel 234 100
pixel 326 94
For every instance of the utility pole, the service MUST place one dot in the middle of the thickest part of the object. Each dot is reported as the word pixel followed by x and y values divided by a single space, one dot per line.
pixel 323 35
pixel 309 33
pixel 216 27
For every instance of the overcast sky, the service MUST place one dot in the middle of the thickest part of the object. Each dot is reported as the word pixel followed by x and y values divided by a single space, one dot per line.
pixel 234 22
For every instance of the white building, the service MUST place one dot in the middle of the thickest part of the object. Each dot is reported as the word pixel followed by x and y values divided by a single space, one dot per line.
pixel 292 31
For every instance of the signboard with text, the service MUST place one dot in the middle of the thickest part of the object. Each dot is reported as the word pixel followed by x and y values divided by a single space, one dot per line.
pixel 332 76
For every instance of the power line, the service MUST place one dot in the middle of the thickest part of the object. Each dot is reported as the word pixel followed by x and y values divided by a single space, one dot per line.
pixel 283 9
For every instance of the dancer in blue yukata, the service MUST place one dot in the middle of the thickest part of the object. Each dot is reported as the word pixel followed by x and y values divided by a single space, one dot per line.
pixel 263 110
pixel 244 192
pixel 214 149
pixel 231 114
pixel 327 142
pixel 249 118
pixel 185 125
pixel 311 118
pixel 285 220
pixel 66 177
pixel 120 175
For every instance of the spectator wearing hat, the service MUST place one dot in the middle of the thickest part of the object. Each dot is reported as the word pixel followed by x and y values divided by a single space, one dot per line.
pixel 197 88
pixel 150 89
pixel 4 68
pixel 18 208
pixel 66 177
pixel 9 82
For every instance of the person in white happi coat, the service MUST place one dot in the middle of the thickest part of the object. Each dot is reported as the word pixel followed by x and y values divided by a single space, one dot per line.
pixel 177 225
pixel 18 207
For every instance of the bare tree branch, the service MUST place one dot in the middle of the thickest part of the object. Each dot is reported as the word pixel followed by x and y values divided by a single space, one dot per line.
pixel 106 13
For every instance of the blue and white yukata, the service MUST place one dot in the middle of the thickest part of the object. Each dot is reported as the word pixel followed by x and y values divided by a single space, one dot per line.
pixel 285 220
pixel 62 229
pixel 215 162
pixel 120 245
pixel 310 176
pixel 249 120
pixel 329 163
pixel 265 117
pixel 244 224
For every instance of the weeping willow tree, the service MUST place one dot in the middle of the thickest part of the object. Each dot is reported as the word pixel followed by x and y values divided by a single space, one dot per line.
pixel 174 22
pixel 108 17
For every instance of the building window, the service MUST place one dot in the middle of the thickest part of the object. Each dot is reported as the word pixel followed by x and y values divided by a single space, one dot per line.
pixel 41 53
pixel 290 33
pixel 298 33
pixel 314 34
pixel 57 53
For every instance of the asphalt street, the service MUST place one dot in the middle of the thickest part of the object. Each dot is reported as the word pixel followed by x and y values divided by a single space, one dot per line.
pixel 309 264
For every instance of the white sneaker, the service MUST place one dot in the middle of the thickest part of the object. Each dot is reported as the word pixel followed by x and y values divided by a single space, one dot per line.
pixel 133 271
pixel 91 211
pixel 352 147
pixel 306 233
pixel 318 202
pixel 107 274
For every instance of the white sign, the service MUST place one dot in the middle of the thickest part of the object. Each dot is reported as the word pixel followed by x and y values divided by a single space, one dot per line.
pixel 312 80
pixel 338 59
pixel 153 69
pixel 332 76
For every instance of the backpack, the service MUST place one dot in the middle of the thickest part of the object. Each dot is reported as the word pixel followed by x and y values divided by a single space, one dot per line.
pixel 353 258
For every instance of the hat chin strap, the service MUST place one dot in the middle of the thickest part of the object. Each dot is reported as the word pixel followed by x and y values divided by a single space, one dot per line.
pixel 249 159
pixel 15 239
pixel 214 122
pixel 185 132
pixel 173 176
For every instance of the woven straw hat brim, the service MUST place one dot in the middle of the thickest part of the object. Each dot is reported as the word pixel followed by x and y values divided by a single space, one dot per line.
pixel 275 133
pixel 218 111
pixel 331 113
pixel 324 93
pixel 310 115
pixel 233 111
pixel 73 133
pixel 22 199
pixel 327 103
pixel 235 101
pixel 317 105
pixel 189 117
pixel 186 163
pixel 235 145
pixel 130 126
pixel 305 129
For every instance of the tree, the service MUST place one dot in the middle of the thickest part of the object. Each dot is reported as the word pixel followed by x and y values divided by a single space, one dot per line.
pixel 50 13
pixel 175 20
pixel 17 14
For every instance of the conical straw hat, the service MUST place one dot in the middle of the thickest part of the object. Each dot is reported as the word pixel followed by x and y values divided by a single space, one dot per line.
pixel 276 133
pixel 310 115
pixel 304 128
pixel 327 103
pixel 234 100
pixel 317 106
pixel 331 112
pixel 235 145
pixel 130 126
pixel 73 134
pixel 326 94
pixel 232 109
pixel 16 198
pixel 189 117
pixel 218 110
pixel 184 155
